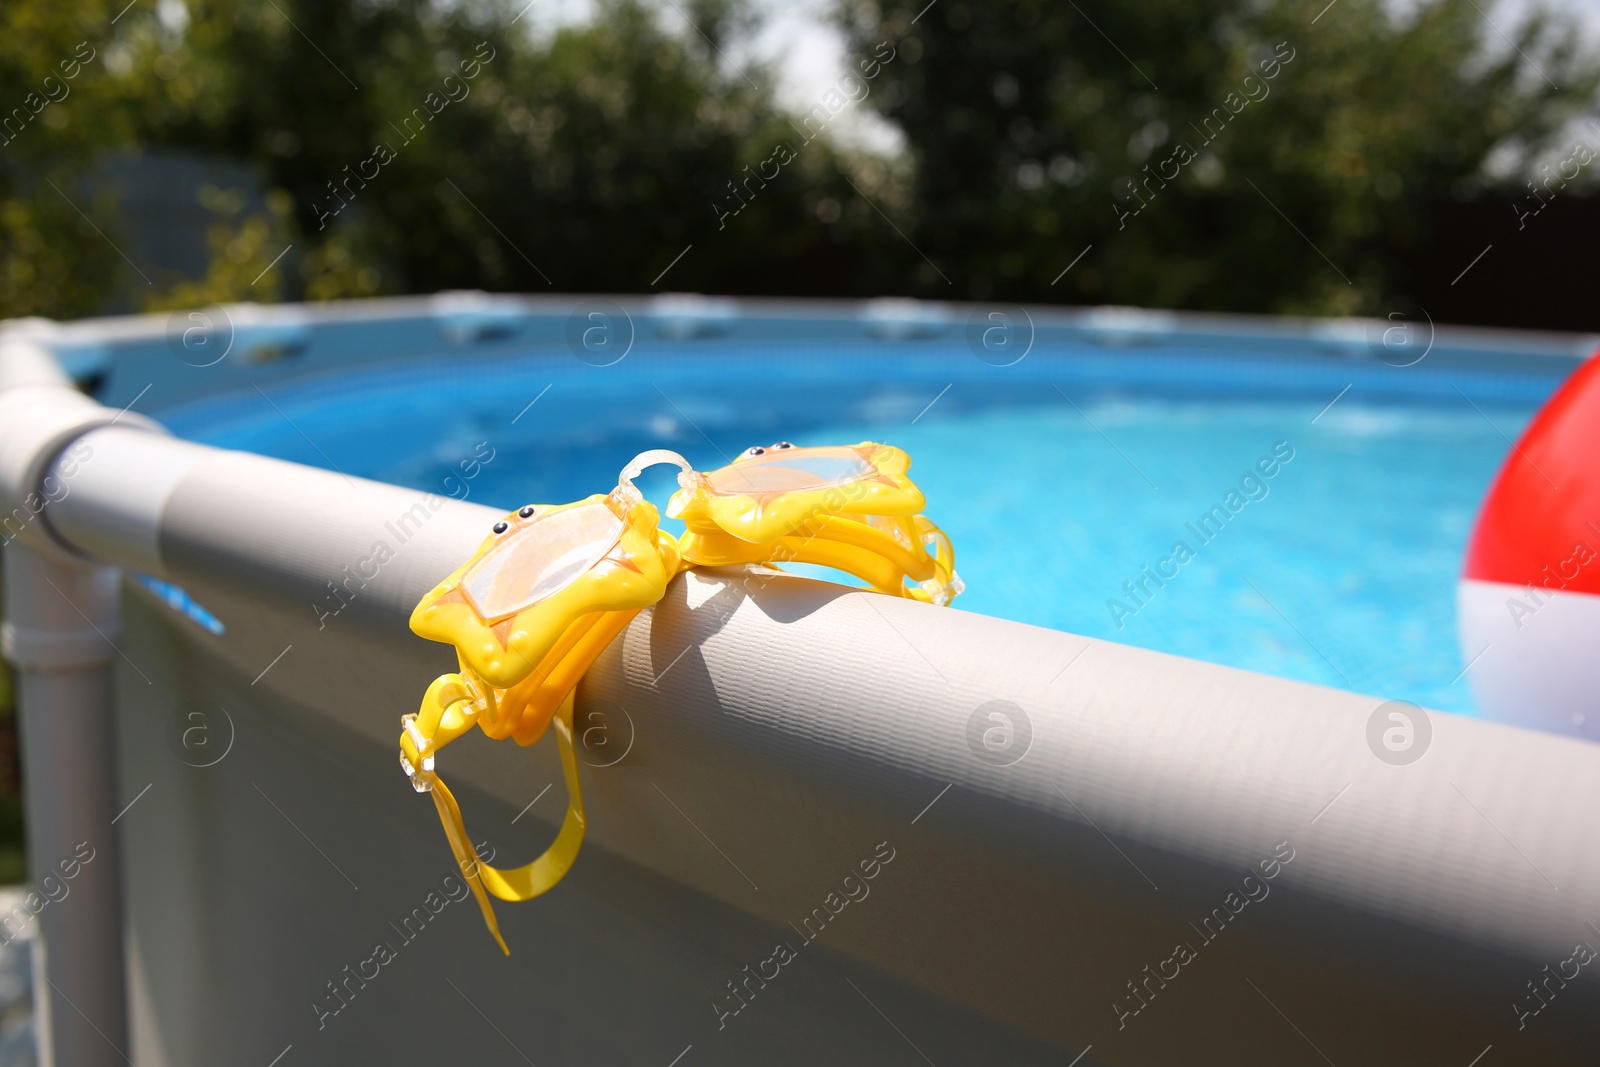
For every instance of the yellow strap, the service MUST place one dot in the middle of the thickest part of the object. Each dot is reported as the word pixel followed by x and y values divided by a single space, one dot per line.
pixel 844 543
pixel 530 880
pixel 466 856
pixel 872 567
pixel 914 561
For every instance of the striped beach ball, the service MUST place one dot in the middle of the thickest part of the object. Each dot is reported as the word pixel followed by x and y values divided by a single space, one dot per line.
pixel 1529 597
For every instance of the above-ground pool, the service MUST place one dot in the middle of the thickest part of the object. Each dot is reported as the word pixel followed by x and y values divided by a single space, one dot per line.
pixel 1202 501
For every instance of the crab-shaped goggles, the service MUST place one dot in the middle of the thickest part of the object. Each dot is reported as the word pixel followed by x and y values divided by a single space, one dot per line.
pixel 552 586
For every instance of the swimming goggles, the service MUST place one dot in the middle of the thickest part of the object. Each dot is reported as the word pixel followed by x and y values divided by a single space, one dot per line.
pixel 552 586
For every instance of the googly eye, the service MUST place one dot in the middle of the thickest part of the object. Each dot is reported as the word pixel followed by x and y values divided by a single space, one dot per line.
pixel 501 527
pixel 782 445
pixel 757 450
pixel 526 512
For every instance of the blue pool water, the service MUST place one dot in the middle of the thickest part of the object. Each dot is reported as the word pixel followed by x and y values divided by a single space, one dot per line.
pixel 1059 480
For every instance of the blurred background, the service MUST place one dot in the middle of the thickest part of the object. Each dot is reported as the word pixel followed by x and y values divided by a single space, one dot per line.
pixel 971 160
pixel 170 153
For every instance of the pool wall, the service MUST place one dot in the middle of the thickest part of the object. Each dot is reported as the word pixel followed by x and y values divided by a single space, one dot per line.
pixel 780 735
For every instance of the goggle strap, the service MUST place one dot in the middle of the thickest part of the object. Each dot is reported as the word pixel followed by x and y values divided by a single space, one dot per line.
pixel 650 458
pixel 531 879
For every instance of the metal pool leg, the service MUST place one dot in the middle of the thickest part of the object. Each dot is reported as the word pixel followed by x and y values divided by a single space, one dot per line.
pixel 60 622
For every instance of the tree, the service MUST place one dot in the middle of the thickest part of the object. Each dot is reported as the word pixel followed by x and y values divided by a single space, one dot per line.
pixel 1250 155
pixel 1244 155
pixel 426 146
pixel 57 114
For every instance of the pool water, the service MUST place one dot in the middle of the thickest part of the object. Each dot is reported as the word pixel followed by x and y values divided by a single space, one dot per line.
pixel 1064 486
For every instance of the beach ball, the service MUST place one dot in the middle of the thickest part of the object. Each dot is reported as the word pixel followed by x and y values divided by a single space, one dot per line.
pixel 1529 597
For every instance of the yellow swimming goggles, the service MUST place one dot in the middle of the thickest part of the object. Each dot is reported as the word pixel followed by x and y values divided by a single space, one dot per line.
pixel 551 586
pixel 543 596
pixel 849 507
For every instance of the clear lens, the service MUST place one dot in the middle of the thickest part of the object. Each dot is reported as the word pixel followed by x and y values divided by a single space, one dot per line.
pixel 791 470
pixel 541 559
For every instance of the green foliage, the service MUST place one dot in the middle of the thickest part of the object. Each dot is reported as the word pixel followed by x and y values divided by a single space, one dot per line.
pixel 245 253
pixel 586 161
pixel 1030 127
pixel 589 159
pixel 56 114
pixel 472 156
